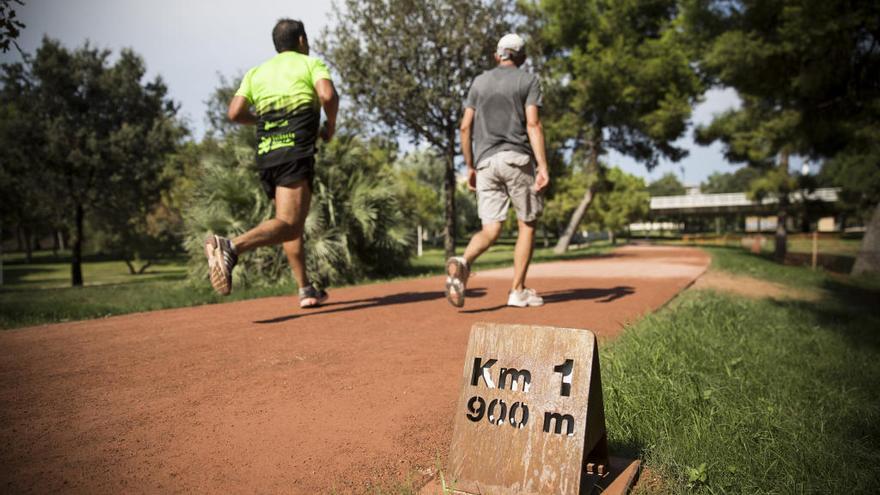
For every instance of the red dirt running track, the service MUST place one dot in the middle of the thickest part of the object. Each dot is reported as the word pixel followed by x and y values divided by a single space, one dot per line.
pixel 260 396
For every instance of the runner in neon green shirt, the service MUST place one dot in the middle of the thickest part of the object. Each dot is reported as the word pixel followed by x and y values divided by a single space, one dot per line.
pixel 282 90
pixel 287 93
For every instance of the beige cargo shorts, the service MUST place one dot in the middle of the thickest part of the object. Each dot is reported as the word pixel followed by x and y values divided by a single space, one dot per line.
pixel 504 178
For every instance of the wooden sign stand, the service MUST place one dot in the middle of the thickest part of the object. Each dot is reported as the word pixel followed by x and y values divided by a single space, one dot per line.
pixel 530 416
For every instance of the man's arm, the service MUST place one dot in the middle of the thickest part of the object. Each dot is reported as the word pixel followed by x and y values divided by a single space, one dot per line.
pixel 330 102
pixel 536 140
pixel 467 124
pixel 240 112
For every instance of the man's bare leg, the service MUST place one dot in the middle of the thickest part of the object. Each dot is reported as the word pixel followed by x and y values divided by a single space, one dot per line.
pixel 481 241
pixel 522 253
pixel 296 257
pixel 291 209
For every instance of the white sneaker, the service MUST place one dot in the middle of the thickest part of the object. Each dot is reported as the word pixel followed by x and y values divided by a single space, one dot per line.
pixel 524 298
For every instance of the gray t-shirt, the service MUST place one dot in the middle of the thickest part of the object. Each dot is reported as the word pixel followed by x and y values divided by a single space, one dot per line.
pixel 499 98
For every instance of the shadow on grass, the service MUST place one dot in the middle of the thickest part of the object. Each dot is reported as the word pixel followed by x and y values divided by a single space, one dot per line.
pixel 358 304
pixel 48 257
pixel 16 284
pixel 849 310
pixel 628 450
pixel 603 296
pixel 15 274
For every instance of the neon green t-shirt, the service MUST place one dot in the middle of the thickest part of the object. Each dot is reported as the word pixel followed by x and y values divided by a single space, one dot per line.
pixel 282 90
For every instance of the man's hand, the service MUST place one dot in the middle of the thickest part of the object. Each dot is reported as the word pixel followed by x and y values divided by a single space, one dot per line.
pixel 472 179
pixel 327 131
pixel 536 139
pixel 542 179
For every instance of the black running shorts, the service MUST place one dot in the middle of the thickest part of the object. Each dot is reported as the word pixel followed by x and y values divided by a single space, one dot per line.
pixel 287 174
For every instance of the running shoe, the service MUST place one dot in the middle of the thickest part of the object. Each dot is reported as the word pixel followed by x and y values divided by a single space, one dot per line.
pixel 524 298
pixel 457 273
pixel 310 297
pixel 221 261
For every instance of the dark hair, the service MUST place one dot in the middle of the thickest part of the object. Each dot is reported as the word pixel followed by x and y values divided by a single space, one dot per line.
pixel 286 34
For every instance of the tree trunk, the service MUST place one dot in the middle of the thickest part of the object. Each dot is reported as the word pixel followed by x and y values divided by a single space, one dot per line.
pixel 449 232
pixel 576 217
pixel 782 215
pixel 28 244
pixel 589 195
pixel 612 237
pixel 781 234
pixel 131 270
pixel 76 276
pixel 805 220
pixel 868 259
pixel 144 267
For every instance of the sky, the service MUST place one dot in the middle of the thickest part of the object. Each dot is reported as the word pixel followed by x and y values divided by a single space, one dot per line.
pixel 190 43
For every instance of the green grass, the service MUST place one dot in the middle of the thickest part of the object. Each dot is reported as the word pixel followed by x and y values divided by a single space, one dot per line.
pixel 842 247
pixel 39 292
pixel 30 307
pixel 49 272
pixel 501 255
pixel 724 394
pixel 740 262
pixel 797 243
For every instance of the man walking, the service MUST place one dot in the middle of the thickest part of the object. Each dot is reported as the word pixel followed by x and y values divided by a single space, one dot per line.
pixel 501 111
pixel 287 92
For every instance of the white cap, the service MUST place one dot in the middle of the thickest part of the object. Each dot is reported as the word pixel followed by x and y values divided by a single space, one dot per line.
pixel 509 43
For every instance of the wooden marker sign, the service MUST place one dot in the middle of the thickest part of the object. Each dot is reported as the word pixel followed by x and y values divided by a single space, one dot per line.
pixel 530 418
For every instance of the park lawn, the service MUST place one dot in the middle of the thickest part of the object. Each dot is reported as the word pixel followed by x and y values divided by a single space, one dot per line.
pixel 53 272
pixel 797 243
pixel 39 292
pixel 719 393
pixel 800 244
pixel 840 247
pixel 501 255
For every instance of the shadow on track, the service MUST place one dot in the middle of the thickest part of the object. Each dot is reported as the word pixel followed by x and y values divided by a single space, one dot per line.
pixel 389 300
pixel 603 296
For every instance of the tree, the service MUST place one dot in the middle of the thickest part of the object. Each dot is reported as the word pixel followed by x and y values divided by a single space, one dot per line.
pixel 569 190
pixel 629 84
pixel 407 66
pixel 104 133
pixel 10 26
pixel 668 185
pixel 857 170
pixel 356 227
pixel 809 73
pixel 738 181
pixel 626 201
pixel 417 176
pixel 764 137
pixel 27 200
